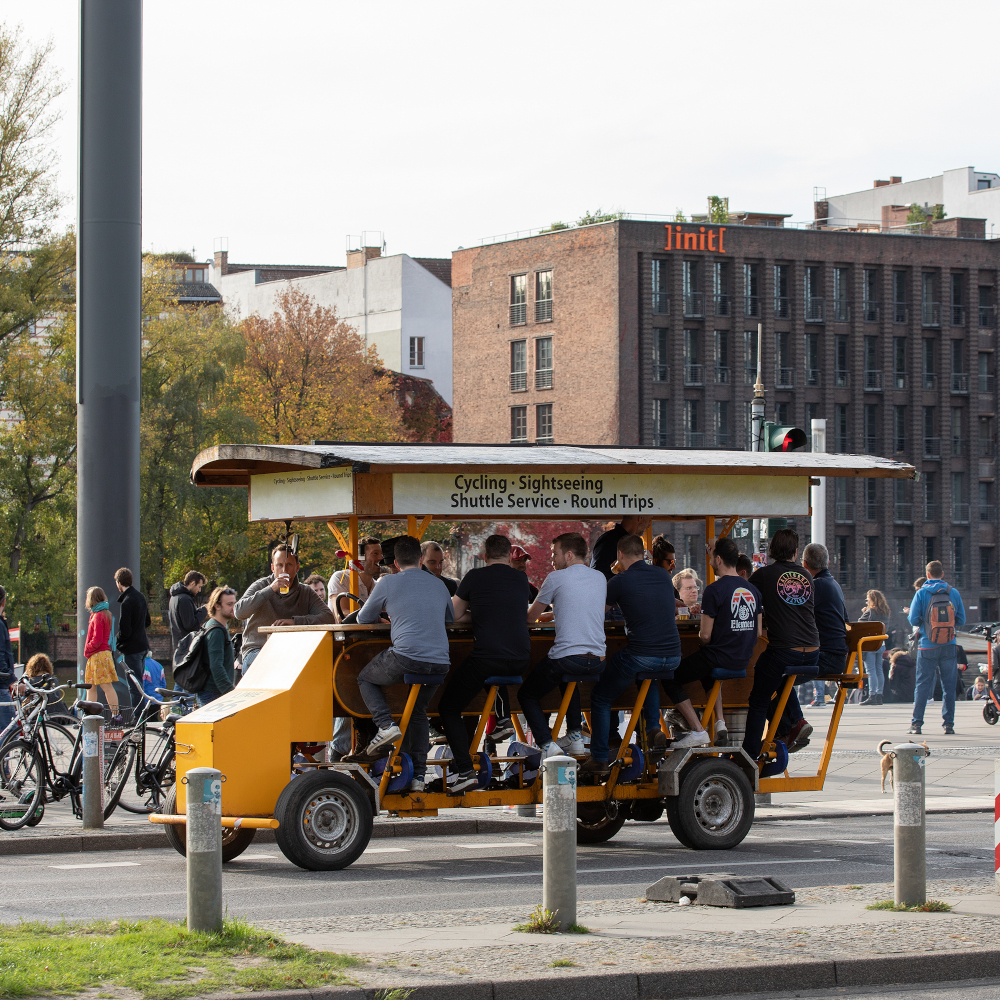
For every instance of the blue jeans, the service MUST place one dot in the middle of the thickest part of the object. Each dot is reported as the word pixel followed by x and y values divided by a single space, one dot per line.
pixel 929 662
pixel 204 697
pixel 873 668
pixel 546 676
pixel 768 680
pixel 7 712
pixel 618 675
pixel 341 742
pixel 248 657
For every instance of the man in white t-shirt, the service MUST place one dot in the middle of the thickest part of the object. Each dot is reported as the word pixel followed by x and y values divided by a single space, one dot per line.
pixel 340 582
pixel 577 594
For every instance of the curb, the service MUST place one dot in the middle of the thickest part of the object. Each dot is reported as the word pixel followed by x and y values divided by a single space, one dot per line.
pixel 679 984
pixel 793 813
pixel 140 838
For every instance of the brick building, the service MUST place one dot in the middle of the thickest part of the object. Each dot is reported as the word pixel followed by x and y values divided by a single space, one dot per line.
pixel 639 332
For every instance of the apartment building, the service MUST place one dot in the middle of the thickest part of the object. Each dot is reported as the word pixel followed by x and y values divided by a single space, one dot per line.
pixel 639 332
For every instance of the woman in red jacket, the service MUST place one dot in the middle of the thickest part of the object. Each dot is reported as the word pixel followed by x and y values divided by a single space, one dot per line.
pixel 100 662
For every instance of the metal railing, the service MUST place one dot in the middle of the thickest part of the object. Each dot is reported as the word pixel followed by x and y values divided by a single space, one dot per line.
pixel 987 447
pixel 694 374
pixel 987 317
pixel 957 315
pixel 843 513
pixel 872 444
pixel 661 304
pixel 900 312
pixel 930 511
pixel 959 383
pixel 985 383
pixel 957 578
pixel 751 305
pixel 723 439
pixel 902 513
pixel 986 511
pixel 694 439
pixel 518 381
pixel 987 579
pixel 845 577
pixel 519 314
pixel 814 376
pixel 929 380
pixel 901 578
pixel 784 378
pixel 872 579
pixel 694 305
pixel 722 375
pixel 869 311
pixel 543 378
pixel 959 513
pixel 840 378
pixel 543 310
pixel 899 445
pixel 721 305
pixel 749 375
pixel 661 373
pixel 815 309
pixel 873 380
pixel 956 447
pixel 842 444
pixel 899 380
pixel 782 307
pixel 841 311
pixel 932 447
pixel 930 313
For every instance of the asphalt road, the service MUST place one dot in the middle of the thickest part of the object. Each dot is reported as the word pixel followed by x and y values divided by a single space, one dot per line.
pixel 458 872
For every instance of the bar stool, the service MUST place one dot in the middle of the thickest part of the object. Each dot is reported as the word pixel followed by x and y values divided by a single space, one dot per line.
pixel 718 675
pixel 791 673
pixel 571 681
pixel 645 679
pixel 494 683
pixel 416 682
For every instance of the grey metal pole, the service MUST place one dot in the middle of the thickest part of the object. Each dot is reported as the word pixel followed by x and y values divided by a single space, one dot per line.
pixel 757 420
pixel 910 858
pixel 93 772
pixel 817 431
pixel 559 838
pixel 108 297
pixel 204 849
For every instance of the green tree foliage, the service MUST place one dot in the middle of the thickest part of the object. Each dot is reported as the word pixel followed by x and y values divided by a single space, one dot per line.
pixel 679 216
pixel 590 219
pixel 939 212
pixel 718 209
pixel 555 227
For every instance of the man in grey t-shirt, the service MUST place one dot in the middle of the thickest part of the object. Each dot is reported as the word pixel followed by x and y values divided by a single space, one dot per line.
pixel 418 605
pixel 577 594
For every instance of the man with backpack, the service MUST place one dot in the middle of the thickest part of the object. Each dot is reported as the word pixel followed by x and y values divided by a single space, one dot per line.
pixel 938 611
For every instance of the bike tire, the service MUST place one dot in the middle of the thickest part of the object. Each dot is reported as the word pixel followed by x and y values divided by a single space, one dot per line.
pixel 22 773
pixel 116 776
pixel 159 766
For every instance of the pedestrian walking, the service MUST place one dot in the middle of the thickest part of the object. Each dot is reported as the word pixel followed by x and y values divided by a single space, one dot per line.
pixel 219 646
pixel 7 712
pixel 876 610
pixel 133 620
pixel 938 611
pixel 183 615
pixel 100 668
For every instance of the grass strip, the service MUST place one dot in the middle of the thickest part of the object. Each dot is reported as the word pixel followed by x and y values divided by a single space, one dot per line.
pixel 931 906
pixel 158 959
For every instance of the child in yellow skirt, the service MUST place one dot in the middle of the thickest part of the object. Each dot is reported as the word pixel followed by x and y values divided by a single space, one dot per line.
pixel 100 663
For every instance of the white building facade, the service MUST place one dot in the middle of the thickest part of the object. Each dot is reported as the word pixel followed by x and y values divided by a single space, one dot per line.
pixel 401 305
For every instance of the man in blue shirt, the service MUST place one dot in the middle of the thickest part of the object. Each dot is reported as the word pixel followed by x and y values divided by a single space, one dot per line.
pixel 934 656
pixel 645 595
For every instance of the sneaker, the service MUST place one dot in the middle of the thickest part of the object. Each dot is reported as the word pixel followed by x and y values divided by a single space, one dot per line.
pixel 915 729
pixel 116 720
pixel 721 735
pixel 693 739
pixel 436 736
pixel 503 730
pixel 416 785
pixel 572 744
pixel 798 737
pixel 949 730
pixel 659 740
pixel 463 782
pixel 817 704
pixel 552 750
pixel 597 768
pixel 384 740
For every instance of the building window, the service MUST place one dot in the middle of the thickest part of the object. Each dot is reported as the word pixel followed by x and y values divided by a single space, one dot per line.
pixel 959 503
pixel 841 564
pixel 899 296
pixel 518 424
pixel 930 368
pixel 869 295
pixel 814 376
pixel 781 417
pixel 812 413
pixel 871 562
pixel 987 314
pixel 661 438
pixel 932 443
pixel 873 370
pixel 958 562
pixel 843 509
pixel 959 376
pixel 194 274
pixel 694 305
pixel 841 283
pixel 899 429
pixel 987 439
pixel 661 369
pixel 785 374
pixel 661 300
pixel 416 352
pixel 987 575
pixel 840 367
pixel 957 434
pixel 902 507
pixel 749 357
pixel 985 363
pixel 694 370
pixel 694 436
pixel 930 550
pixel 751 304
pixel 722 424
pixel 899 362
pixel 930 309
pixel 543 296
pixel 871 499
pixel 929 480
pixel 958 300
pixel 782 309
pixel 986 502
pixel 543 363
pixel 518 299
pixel 814 300
pixel 543 423
pixel 900 562
pixel 518 365
pixel 841 439
pixel 722 357
pixel 720 287
pixel 748 421
pixel 873 444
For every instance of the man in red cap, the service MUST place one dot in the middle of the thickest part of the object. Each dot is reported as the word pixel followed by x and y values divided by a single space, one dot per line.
pixel 519 560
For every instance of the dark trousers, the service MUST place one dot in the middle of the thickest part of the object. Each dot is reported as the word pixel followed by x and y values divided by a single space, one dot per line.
pixel 696 667
pixel 135 664
pixel 768 680
pixel 465 683
pixel 829 664
pixel 546 676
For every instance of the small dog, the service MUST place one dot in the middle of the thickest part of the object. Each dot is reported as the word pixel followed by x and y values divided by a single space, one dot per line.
pixel 887 760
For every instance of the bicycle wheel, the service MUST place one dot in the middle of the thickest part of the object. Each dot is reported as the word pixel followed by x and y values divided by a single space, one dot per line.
pixel 62 743
pixel 116 776
pixel 22 777
pixel 146 793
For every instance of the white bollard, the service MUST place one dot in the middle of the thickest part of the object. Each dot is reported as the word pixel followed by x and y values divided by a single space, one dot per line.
pixel 996 822
pixel 559 839
pixel 204 849
pixel 93 772
pixel 909 769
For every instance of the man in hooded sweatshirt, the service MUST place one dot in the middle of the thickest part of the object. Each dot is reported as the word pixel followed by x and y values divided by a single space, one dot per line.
pixel 933 656
pixel 184 616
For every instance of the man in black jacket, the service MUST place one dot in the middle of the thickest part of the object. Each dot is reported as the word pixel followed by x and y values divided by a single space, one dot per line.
pixel 133 620
pixel 182 613
pixel 6 667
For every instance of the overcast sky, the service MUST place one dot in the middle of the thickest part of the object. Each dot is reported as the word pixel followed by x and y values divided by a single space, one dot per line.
pixel 285 127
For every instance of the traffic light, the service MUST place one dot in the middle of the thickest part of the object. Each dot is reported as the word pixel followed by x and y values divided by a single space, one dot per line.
pixel 778 438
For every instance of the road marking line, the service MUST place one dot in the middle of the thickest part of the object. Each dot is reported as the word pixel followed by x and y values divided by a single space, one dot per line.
pixel 257 857
pixel 386 850
pixel 509 843
pixel 102 864
pixel 644 868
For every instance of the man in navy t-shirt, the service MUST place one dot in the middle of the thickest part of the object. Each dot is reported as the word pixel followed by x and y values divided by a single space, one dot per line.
pixel 645 595
pixel 730 625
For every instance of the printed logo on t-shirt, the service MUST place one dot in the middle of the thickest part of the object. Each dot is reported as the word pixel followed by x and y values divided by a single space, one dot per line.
pixel 744 609
pixel 794 588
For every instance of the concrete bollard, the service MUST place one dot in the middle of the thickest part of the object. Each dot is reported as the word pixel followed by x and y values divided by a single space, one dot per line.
pixel 204 849
pixel 93 772
pixel 996 822
pixel 910 823
pixel 559 839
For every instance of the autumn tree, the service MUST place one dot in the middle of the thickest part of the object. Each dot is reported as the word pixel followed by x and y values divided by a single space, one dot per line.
pixel 307 375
